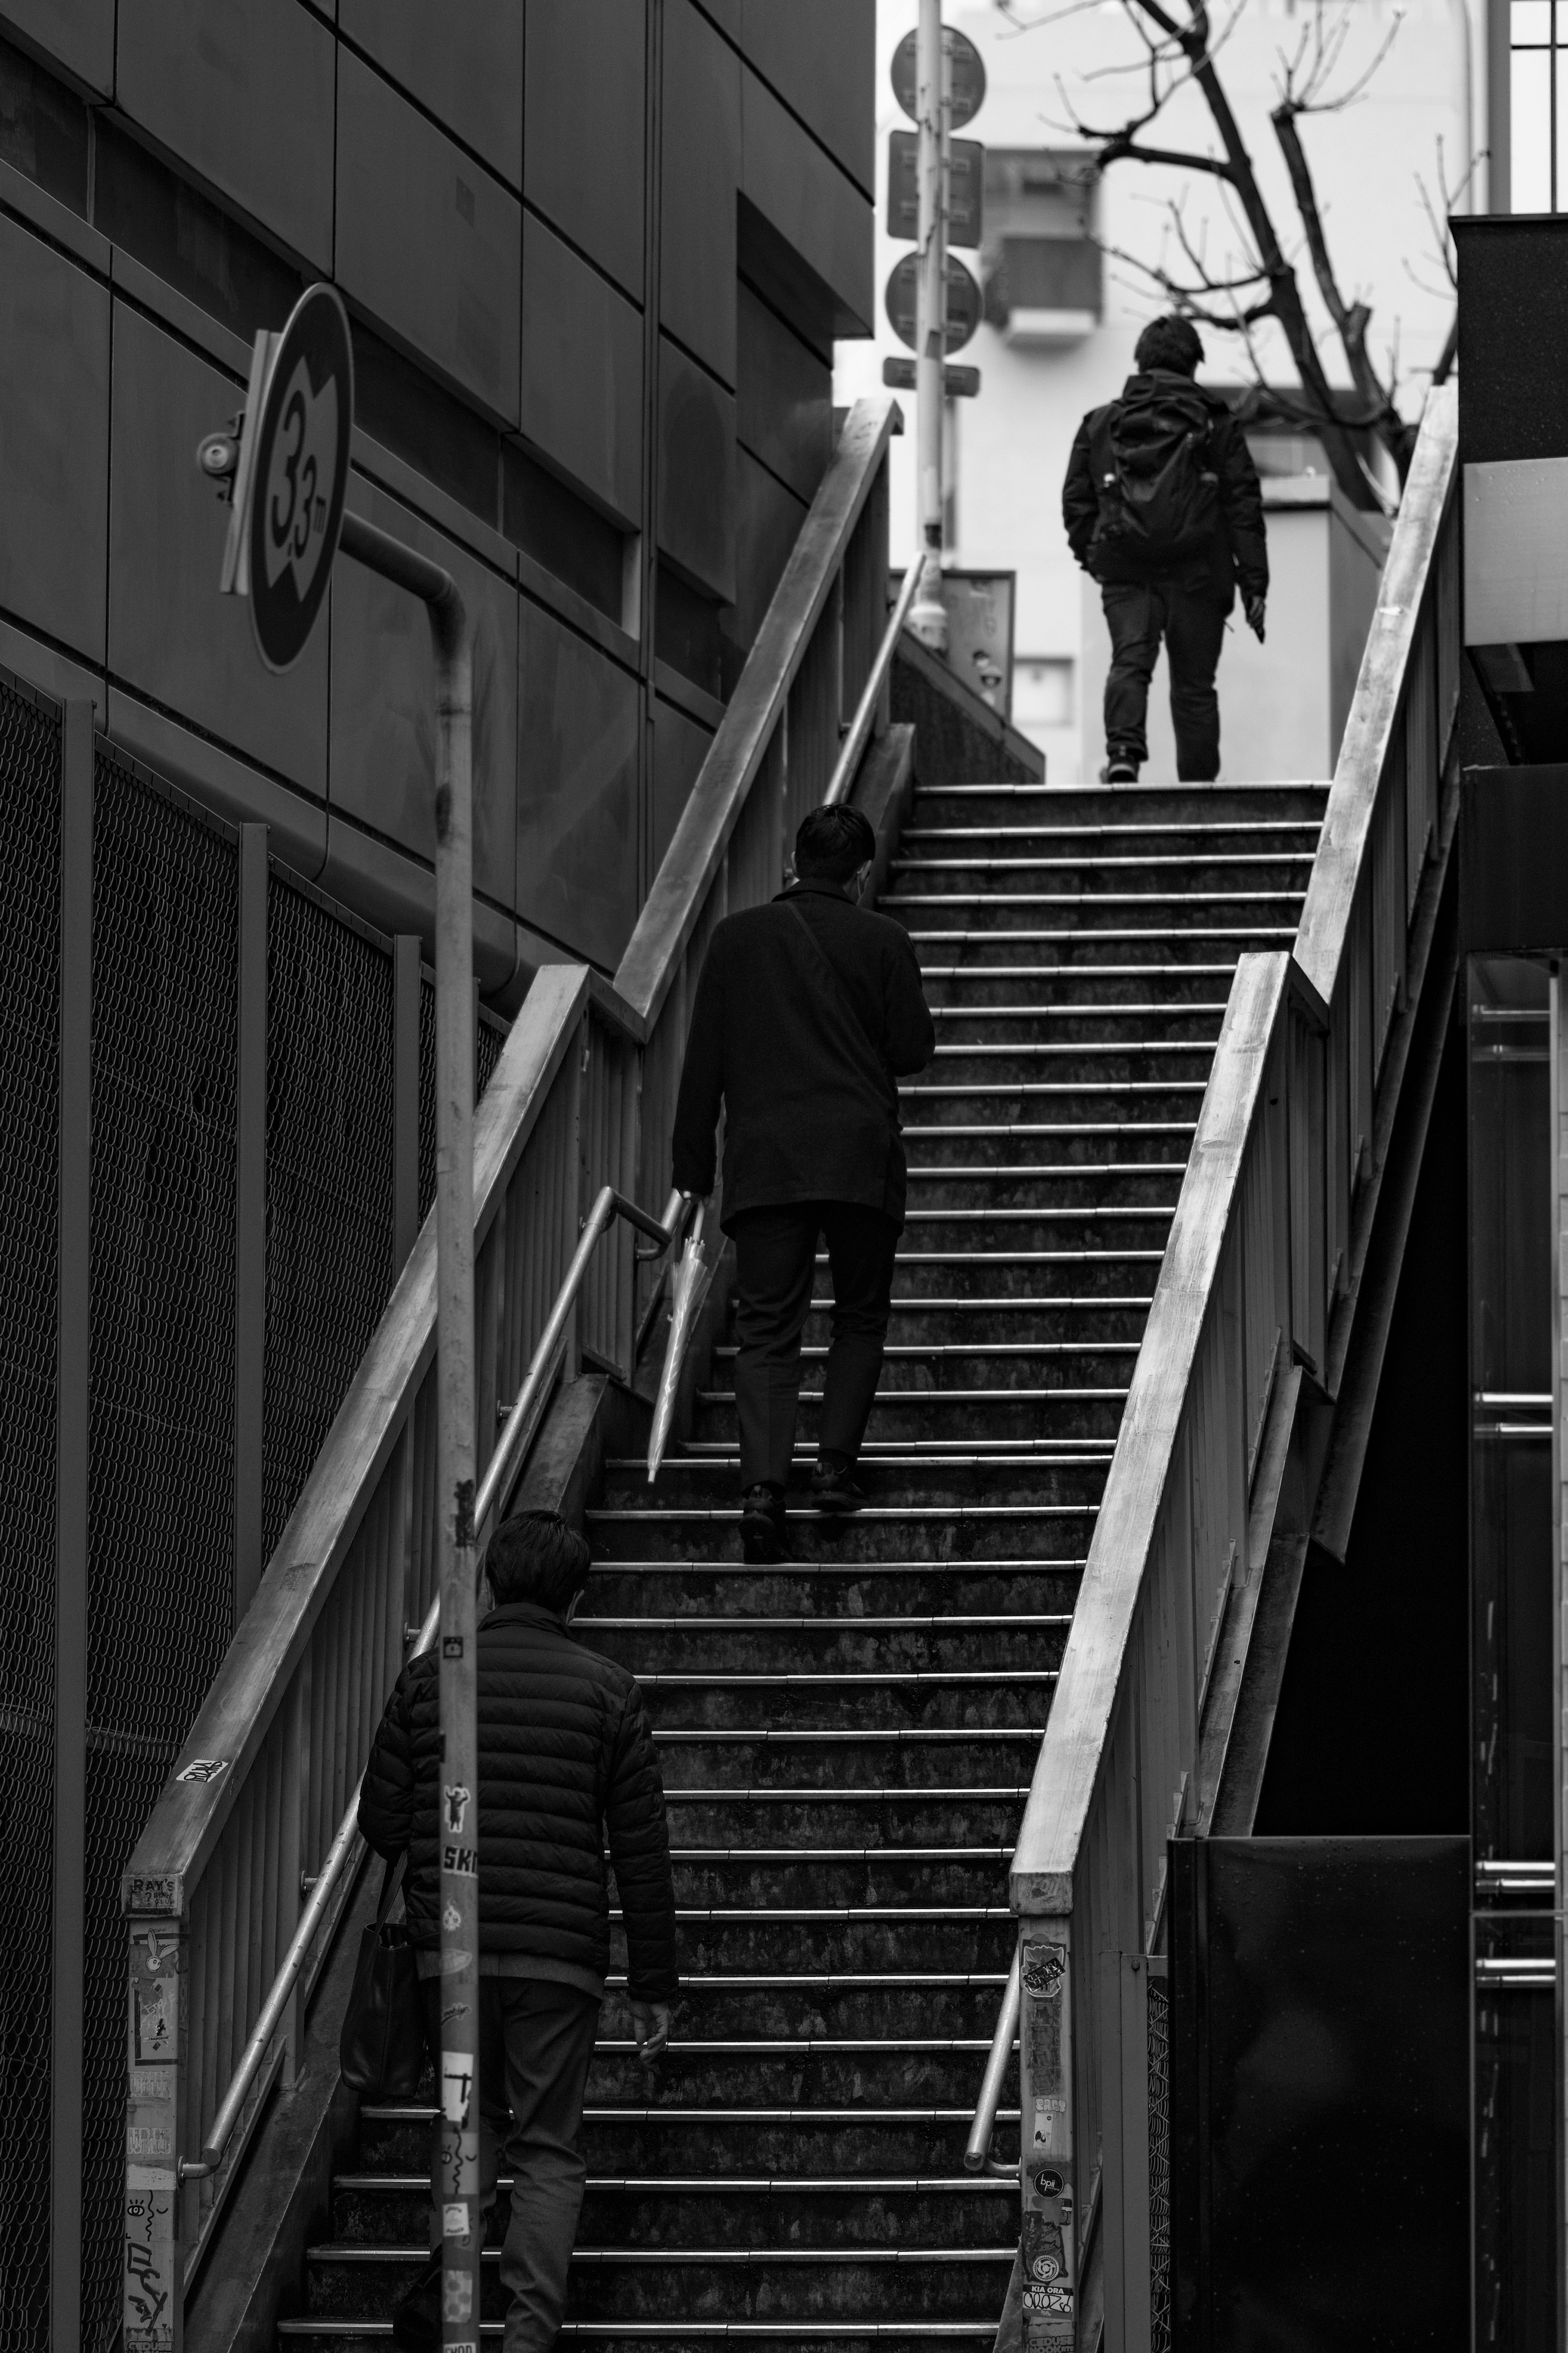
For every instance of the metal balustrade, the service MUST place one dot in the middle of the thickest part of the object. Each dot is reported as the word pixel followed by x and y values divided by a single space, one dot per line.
pixel 1258 1278
pixel 251 1837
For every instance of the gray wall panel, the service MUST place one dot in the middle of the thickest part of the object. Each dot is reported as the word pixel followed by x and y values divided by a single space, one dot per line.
pixel 171 634
pixel 576 790
pixel 79 33
pixel 582 371
pixel 463 62
pixel 784 398
pixel 383 698
pixel 54 442
pixel 768 523
pixel 429 243
pixel 679 748
pixel 583 149
pixel 821 58
pixel 811 203
pixel 696 471
pixel 243 90
pixel 701 164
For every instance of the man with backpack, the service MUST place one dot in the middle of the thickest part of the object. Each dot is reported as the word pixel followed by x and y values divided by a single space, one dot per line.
pixel 1163 508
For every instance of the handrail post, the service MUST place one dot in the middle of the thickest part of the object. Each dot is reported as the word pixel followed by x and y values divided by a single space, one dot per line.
pixel 154 2302
pixel 1052 2217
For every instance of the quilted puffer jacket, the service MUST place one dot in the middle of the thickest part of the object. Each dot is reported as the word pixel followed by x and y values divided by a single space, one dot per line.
pixel 566 1753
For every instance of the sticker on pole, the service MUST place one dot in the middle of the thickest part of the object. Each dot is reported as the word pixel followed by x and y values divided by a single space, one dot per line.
pixel 292 474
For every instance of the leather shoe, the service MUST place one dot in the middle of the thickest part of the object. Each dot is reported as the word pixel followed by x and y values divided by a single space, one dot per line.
pixel 833 1486
pixel 763 1536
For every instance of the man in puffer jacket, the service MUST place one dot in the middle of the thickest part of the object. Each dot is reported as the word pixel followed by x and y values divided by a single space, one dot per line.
pixel 1162 506
pixel 566 1754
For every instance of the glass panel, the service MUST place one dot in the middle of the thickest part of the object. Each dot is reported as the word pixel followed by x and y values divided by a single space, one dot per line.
pixel 1529 24
pixel 1530 81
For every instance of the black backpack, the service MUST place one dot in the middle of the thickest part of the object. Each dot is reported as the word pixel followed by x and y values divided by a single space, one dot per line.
pixel 1159 495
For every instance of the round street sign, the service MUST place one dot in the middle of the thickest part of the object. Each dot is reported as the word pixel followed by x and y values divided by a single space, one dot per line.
pixel 965 77
pixel 299 475
pixel 962 302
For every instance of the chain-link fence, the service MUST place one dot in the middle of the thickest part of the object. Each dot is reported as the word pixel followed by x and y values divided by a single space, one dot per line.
pixel 1159 2164
pixel 330 1142
pixel 29 1107
pixel 161 1411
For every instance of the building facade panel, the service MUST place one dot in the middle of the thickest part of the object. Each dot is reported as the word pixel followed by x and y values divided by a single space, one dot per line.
pixel 242 90
pixel 696 471
pixel 701 171
pixel 384 699
pixel 576 790
pixel 463 64
pixel 170 636
pixel 679 748
pixel 54 442
pixel 581 371
pixel 784 398
pixel 814 205
pixel 79 33
pixel 820 55
pixel 584 96
pixel 768 518
pixel 428 241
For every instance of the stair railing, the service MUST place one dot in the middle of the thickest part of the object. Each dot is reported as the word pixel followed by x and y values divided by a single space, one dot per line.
pixel 246 1850
pixel 1263 1258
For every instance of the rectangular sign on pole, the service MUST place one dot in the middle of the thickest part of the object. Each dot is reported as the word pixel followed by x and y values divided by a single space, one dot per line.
pixel 966 188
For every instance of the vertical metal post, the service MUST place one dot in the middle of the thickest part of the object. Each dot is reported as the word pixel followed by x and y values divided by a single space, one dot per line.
pixel 249 1217
pixel 462 2228
pixel 1049 2244
pixel 928 615
pixel 70 1523
pixel 1559 1113
pixel 156 2022
pixel 406 987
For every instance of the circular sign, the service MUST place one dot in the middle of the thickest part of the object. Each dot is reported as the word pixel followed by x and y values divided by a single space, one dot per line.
pixel 299 475
pixel 962 302
pixel 965 77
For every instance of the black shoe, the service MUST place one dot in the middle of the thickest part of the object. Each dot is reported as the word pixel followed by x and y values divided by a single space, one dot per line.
pixel 1120 771
pixel 834 1487
pixel 417 2322
pixel 763 1536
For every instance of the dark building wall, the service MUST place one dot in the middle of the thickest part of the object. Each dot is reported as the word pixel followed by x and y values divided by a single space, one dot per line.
pixel 494 189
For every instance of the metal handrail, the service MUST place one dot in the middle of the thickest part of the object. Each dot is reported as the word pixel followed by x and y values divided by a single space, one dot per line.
pixel 977 2157
pixel 518 1433
pixel 854 742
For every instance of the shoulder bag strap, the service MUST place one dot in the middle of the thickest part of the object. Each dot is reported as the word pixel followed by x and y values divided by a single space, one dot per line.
pixel 833 986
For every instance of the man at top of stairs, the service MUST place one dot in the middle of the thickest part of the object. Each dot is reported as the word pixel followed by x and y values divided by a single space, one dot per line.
pixel 808 1012
pixel 1162 506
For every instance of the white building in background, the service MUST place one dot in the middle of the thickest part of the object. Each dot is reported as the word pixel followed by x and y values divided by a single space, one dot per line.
pixel 1064 313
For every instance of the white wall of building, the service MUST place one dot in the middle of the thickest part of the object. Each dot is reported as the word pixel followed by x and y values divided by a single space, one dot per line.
pixel 1010 446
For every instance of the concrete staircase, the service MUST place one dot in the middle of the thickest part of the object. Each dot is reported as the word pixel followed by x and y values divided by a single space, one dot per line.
pixel 847 1739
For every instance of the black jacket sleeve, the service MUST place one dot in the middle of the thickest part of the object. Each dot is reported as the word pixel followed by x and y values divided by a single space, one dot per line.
pixel 1080 500
pixel 1241 499
pixel 909 1031
pixel 639 1849
pixel 694 1150
pixel 386 1794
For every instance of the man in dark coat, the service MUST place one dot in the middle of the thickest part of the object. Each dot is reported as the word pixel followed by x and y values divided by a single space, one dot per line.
pixel 565 1755
pixel 1162 506
pixel 808 1012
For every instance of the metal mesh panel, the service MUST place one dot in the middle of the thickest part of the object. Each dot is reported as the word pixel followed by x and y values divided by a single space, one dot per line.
pixel 1159 2166
pixel 329 1178
pixel 489 1041
pixel 29 993
pixel 161 1428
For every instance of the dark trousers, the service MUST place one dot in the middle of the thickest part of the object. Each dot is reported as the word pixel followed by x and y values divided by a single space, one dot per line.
pixel 775 1252
pixel 1192 622
pixel 535 2041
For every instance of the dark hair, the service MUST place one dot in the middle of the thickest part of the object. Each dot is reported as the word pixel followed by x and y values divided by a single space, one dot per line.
pixel 832 842
pixel 535 1557
pixel 1170 342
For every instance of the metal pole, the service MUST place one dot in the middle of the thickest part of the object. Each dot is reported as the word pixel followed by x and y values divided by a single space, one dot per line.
pixel 928 615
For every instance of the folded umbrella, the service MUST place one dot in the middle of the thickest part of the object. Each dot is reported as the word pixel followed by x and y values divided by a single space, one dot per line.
pixel 690 1284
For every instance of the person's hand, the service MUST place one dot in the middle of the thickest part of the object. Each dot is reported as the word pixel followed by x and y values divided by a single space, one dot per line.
pixel 1255 617
pixel 650 2027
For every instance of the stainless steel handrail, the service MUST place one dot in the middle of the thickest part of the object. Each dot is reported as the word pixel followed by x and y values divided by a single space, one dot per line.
pixel 518 1434
pixel 977 2157
pixel 854 742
